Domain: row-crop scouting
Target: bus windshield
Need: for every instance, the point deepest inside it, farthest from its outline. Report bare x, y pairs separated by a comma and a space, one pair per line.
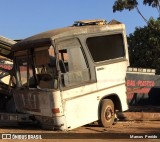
38, 69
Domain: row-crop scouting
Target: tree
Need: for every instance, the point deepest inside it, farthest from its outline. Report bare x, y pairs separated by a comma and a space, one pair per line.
120, 5
144, 46
144, 43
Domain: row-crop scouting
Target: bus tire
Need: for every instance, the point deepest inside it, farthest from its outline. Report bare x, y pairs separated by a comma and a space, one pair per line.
107, 113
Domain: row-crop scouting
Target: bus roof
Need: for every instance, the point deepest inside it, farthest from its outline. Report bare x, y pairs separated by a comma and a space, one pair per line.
88, 26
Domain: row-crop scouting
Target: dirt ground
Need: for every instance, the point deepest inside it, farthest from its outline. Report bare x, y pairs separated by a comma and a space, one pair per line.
120, 131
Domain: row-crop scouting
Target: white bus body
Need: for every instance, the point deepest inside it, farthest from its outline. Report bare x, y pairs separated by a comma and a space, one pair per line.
78, 72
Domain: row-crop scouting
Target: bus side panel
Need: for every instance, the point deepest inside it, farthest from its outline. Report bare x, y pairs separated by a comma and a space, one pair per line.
113, 76
110, 75
33, 101
82, 110
120, 91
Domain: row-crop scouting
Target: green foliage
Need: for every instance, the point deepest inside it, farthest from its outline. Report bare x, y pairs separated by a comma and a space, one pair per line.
153, 3
144, 43
144, 46
120, 5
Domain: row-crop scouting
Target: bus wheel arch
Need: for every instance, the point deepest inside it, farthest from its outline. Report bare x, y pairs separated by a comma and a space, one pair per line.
107, 110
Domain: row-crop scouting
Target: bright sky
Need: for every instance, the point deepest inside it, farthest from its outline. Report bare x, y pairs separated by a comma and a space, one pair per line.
24, 18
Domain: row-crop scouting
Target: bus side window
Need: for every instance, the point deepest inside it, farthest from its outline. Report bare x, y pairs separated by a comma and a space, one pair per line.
63, 60
45, 67
75, 69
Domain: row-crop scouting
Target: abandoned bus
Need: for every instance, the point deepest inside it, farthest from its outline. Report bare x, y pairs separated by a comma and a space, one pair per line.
72, 76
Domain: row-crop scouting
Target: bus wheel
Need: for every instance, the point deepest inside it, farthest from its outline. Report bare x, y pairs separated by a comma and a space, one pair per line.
107, 114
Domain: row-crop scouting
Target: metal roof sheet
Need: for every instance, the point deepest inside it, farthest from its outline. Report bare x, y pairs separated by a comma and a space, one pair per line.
46, 37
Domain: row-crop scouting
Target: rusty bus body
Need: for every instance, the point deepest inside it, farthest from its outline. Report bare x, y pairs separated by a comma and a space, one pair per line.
72, 76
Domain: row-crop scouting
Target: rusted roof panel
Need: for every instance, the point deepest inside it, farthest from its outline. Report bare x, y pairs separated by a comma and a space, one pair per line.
6, 41
45, 37
90, 22
5, 47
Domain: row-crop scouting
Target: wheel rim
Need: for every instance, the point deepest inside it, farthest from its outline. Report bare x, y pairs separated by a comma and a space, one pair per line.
108, 113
